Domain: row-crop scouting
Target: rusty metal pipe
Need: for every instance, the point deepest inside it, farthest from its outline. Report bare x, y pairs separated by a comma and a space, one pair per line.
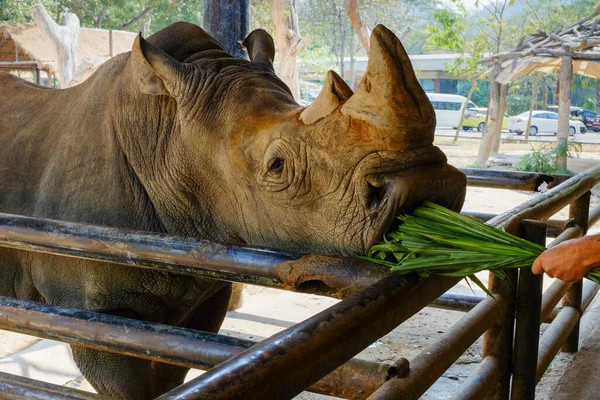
554, 337
481, 381
302, 354
515, 180
432, 362
546, 204
18, 387
173, 345
552, 296
201, 258
590, 289
157, 342
457, 302
594, 216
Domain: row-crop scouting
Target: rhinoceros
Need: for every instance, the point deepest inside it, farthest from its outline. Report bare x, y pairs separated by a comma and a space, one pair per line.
179, 137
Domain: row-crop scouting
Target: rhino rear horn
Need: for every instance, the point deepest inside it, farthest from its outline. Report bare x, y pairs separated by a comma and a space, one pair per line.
261, 48
389, 95
335, 91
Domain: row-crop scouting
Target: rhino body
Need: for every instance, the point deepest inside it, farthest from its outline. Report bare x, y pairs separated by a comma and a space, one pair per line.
179, 137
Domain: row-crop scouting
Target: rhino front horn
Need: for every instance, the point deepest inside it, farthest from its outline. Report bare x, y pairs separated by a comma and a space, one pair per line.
389, 95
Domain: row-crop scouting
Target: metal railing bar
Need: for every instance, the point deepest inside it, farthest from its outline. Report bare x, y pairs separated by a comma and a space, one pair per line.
18, 387
544, 205
481, 381
187, 256
295, 362
552, 296
554, 337
515, 180
590, 289
456, 302
152, 341
164, 343
432, 362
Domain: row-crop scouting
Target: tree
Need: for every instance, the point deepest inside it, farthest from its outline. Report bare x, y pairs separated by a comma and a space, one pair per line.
451, 32
288, 41
109, 14
498, 33
63, 37
331, 28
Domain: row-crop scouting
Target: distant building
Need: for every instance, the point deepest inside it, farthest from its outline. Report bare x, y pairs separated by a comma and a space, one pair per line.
430, 70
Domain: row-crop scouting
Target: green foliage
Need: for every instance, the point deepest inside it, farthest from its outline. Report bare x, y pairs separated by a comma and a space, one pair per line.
109, 14
544, 159
451, 32
481, 95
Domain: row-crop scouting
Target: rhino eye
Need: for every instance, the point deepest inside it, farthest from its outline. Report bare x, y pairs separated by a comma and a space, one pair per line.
276, 165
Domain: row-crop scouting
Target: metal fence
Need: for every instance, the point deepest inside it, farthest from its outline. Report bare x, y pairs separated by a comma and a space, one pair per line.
316, 354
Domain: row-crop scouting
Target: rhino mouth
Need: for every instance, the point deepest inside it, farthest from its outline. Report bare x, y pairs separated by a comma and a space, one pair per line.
405, 191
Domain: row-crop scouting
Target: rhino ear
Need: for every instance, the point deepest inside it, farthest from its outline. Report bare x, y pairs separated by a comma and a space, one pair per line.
156, 72
334, 92
261, 48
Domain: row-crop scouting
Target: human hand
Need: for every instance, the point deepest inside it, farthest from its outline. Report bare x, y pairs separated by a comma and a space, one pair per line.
571, 260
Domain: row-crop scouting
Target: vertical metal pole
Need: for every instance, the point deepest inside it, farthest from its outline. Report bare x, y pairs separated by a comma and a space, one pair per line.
579, 211
228, 22
497, 341
527, 330
36, 75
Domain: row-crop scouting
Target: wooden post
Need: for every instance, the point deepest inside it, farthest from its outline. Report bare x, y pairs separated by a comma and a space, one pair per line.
564, 107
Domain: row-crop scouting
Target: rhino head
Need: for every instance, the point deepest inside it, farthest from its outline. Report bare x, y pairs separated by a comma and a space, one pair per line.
251, 165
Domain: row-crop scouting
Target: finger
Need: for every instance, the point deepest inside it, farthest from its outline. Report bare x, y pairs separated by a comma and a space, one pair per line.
536, 268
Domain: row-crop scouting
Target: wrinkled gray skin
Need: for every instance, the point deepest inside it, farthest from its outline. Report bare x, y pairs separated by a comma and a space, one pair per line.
179, 137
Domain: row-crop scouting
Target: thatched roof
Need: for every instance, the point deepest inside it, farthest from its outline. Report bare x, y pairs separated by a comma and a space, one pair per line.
34, 47
542, 51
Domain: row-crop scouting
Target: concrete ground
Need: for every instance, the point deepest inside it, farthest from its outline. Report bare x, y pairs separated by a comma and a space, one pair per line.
267, 311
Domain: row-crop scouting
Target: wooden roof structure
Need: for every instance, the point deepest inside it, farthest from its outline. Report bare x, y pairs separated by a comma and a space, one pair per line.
24, 47
542, 51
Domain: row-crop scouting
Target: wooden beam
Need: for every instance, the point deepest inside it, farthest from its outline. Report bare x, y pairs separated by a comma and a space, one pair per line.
564, 107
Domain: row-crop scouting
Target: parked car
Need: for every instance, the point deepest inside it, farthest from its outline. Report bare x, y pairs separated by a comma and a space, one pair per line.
447, 108
542, 122
586, 116
595, 125
591, 120
475, 118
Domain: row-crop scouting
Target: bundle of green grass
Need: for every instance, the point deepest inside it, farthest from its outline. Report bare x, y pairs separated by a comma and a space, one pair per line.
436, 241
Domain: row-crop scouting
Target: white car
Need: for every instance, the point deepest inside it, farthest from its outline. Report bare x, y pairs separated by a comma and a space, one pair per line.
542, 122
